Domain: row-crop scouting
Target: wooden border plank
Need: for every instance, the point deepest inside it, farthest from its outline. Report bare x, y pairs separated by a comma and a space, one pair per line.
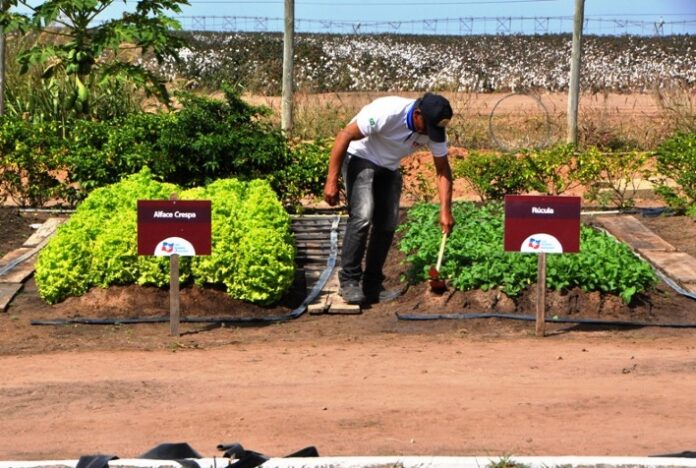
47, 229
7, 292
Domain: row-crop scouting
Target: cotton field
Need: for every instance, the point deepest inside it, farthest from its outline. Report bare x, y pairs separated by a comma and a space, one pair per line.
468, 63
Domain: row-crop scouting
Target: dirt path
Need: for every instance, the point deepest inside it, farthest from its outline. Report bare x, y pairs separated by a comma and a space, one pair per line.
585, 393
364, 384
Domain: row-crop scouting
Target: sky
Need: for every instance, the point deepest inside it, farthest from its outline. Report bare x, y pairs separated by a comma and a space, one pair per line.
309, 14
380, 10
419, 10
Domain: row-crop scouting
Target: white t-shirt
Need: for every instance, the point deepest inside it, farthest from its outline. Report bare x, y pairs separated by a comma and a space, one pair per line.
388, 138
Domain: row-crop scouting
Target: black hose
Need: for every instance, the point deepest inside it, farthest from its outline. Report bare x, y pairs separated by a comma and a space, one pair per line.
316, 289
530, 318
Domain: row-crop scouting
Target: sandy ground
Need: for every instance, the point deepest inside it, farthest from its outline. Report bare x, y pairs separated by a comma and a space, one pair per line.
366, 384
571, 393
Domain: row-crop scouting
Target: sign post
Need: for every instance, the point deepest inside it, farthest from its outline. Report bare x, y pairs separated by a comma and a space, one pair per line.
541, 295
174, 228
541, 225
174, 290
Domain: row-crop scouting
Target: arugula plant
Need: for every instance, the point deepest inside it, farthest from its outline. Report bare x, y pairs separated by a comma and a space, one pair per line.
474, 257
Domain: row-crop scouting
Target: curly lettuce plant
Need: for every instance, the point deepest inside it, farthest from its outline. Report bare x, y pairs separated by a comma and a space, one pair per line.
253, 254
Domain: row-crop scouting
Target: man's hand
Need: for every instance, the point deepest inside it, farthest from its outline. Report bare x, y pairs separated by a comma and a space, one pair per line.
338, 153
331, 191
444, 188
446, 221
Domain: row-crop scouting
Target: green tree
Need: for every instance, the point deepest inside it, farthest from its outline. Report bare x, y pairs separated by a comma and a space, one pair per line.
73, 46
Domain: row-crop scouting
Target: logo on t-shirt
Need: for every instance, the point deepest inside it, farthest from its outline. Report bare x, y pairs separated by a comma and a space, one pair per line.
372, 122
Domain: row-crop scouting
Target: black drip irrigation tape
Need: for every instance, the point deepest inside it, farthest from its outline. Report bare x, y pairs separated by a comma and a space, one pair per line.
530, 318
316, 289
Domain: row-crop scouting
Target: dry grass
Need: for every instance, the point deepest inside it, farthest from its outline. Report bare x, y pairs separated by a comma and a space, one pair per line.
639, 120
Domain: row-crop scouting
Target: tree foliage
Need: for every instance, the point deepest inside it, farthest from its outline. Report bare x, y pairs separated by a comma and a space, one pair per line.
72, 45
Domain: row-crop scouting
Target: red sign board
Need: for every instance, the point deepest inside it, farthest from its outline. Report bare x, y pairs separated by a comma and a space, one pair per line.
168, 227
542, 224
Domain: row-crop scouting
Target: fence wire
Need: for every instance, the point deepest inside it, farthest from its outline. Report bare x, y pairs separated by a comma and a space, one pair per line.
481, 25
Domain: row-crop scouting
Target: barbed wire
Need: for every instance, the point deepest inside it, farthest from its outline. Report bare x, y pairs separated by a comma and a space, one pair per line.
476, 25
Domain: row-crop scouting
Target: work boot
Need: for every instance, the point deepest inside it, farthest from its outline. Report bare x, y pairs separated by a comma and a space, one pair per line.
351, 292
374, 295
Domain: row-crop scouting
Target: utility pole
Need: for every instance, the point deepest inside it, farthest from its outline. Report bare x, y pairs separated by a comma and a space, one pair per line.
2, 62
575, 62
288, 65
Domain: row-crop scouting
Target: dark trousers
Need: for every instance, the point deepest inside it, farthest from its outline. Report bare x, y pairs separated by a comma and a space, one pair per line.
373, 211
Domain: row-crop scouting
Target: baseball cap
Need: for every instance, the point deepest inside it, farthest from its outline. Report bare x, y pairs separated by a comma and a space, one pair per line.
436, 112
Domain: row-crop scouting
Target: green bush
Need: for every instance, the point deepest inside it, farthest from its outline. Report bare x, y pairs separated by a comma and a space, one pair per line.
552, 170
494, 175
612, 179
212, 139
206, 140
30, 161
305, 173
676, 161
474, 256
253, 252
101, 153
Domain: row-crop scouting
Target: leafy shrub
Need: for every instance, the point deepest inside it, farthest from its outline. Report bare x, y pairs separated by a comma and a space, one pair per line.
101, 153
206, 140
612, 178
676, 160
253, 252
493, 175
41, 99
305, 173
552, 170
29, 161
474, 256
211, 139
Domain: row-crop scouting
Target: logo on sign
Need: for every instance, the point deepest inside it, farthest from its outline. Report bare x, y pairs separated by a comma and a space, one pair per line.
174, 245
537, 243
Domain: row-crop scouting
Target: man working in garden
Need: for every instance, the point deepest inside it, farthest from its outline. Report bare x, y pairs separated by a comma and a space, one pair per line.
368, 153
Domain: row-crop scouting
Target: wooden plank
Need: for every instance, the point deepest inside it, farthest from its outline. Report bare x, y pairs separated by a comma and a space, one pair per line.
320, 305
679, 266
19, 273
315, 227
336, 303
31, 246
315, 237
631, 231
7, 292
14, 255
339, 306
311, 258
47, 229
314, 245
